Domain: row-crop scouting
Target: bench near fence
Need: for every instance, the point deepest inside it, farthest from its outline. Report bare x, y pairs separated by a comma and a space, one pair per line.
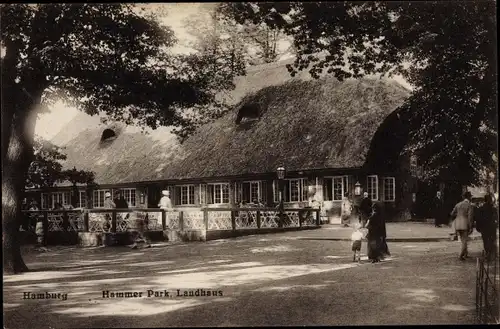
113, 226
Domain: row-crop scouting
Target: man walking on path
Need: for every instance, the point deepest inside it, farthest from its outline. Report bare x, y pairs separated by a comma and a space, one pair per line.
365, 209
439, 211
463, 213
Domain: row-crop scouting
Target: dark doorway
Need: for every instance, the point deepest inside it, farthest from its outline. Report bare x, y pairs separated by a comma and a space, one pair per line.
154, 195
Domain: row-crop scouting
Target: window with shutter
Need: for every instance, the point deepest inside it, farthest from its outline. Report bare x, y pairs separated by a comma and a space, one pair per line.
389, 189
98, 198
82, 200
305, 189
185, 195
129, 194
372, 187
218, 193
275, 191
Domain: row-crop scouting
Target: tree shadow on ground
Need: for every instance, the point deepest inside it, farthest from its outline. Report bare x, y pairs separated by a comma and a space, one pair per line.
278, 285
86, 300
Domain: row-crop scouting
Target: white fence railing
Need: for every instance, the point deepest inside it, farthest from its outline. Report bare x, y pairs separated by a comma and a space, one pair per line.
209, 219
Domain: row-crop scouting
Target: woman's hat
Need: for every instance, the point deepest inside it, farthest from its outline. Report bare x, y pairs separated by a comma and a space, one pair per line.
165, 192
107, 195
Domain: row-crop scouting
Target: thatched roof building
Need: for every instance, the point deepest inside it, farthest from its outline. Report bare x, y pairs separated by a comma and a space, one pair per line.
300, 123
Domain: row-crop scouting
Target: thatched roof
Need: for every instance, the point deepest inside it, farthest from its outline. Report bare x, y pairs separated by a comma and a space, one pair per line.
303, 124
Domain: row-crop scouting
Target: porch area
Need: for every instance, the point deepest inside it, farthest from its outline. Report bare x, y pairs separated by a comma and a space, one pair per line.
94, 227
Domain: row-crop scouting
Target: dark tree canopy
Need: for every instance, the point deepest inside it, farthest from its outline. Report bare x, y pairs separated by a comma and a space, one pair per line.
445, 49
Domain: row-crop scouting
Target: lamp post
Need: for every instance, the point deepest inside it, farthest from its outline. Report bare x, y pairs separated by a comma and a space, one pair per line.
357, 193
280, 172
357, 189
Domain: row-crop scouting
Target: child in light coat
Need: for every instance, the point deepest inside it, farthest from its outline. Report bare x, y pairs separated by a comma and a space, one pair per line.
357, 238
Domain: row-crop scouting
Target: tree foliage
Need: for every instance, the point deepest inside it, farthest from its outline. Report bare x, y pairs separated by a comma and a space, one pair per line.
222, 54
102, 58
445, 49
47, 169
256, 43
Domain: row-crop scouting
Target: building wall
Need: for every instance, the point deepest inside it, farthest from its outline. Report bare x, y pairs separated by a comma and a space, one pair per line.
315, 194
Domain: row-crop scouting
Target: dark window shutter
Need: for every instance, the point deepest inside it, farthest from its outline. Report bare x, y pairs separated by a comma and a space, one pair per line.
210, 194
263, 192
327, 189
246, 192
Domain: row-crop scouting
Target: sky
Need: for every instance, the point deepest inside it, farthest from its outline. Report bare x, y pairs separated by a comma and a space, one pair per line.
175, 14
49, 124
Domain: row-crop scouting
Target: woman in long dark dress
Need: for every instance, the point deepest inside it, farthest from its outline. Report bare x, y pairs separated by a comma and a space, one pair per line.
376, 228
384, 249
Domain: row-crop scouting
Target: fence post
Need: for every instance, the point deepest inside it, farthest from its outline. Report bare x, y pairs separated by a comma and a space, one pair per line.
65, 221
258, 219
233, 220
205, 218
163, 219
485, 294
477, 289
113, 222
181, 220
45, 227
86, 221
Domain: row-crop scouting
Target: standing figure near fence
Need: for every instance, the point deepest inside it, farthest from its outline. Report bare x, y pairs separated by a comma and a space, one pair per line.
487, 225
120, 201
165, 202
439, 212
108, 204
463, 213
139, 231
33, 217
365, 209
346, 210
40, 234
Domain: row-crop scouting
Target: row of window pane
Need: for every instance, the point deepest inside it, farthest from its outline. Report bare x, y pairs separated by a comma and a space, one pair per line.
335, 188
250, 192
295, 190
129, 194
218, 193
372, 187
184, 195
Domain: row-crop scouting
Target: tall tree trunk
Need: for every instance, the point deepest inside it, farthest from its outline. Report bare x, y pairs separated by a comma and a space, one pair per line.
15, 165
